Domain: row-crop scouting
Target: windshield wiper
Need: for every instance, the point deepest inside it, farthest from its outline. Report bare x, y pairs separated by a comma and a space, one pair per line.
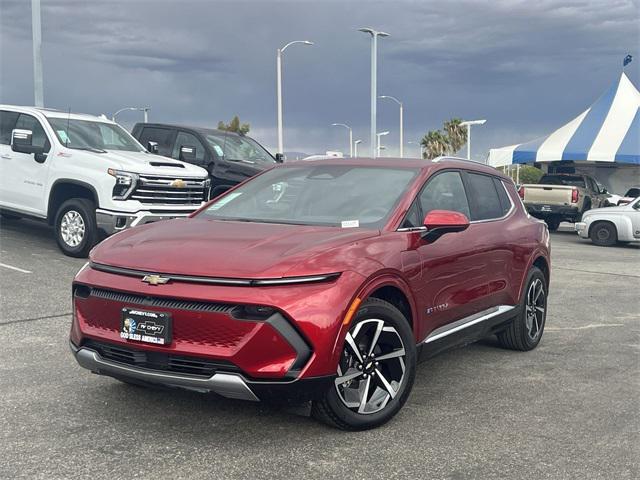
89, 149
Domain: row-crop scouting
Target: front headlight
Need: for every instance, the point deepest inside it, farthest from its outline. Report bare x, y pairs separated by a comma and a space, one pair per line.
125, 183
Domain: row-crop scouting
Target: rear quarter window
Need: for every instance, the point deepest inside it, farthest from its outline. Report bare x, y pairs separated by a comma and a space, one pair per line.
483, 197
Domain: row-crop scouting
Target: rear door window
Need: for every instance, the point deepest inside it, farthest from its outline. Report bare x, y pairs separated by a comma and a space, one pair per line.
483, 197
162, 136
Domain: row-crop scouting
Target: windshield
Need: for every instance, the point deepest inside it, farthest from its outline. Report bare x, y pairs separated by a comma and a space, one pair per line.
334, 195
239, 149
88, 135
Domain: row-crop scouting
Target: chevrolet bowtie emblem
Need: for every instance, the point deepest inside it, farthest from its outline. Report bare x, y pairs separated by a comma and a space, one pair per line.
155, 279
178, 183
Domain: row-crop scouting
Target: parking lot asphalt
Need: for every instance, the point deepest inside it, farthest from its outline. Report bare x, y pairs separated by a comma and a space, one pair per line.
569, 409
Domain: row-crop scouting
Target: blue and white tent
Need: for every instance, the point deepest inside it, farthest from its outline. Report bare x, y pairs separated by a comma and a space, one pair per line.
608, 131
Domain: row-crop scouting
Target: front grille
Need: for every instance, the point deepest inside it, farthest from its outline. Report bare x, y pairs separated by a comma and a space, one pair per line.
160, 302
160, 360
153, 189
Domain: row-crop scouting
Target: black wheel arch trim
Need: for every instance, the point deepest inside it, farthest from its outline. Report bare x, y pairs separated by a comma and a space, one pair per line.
50, 213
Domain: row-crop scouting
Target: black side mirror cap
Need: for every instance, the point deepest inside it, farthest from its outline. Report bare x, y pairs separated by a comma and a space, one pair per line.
152, 147
280, 157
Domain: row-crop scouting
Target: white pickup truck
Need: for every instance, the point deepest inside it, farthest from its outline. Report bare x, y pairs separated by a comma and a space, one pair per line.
87, 176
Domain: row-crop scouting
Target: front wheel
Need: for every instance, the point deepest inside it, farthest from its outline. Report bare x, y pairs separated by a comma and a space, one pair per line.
603, 234
76, 229
375, 373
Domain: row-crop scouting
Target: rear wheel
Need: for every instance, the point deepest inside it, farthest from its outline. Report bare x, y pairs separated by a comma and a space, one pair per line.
525, 331
375, 373
603, 234
76, 229
553, 223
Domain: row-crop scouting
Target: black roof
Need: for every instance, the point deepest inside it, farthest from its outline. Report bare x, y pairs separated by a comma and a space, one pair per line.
186, 127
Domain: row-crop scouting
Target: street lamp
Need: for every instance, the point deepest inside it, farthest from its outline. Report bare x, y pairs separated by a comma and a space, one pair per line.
136, 109
468, 125
378, 146
374, 80
350, 135
355, 148
401, 121
279, 53
419, 147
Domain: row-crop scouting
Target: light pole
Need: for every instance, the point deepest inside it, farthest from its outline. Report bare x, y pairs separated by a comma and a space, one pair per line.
378, 146
374, 81
350, 135
419, 147
401, 121
468, 125
355, 147
145, 110
279, 53
36, 31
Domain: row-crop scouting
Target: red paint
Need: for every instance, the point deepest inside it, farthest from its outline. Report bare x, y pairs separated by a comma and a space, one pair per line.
467, 271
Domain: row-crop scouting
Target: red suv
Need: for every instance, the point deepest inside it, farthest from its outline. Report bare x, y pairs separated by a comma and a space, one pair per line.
323, 281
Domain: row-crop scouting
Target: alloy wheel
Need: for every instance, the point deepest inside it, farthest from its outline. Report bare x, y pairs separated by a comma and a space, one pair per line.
372, 366
72, 228
535, 308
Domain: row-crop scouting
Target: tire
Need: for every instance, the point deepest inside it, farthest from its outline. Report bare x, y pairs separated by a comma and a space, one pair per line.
553, 223
78, 214
603, 234
525, 331
398, 371
10, 216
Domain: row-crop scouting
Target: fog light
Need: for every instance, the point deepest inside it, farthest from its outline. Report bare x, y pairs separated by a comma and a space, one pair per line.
121, 222
253, 312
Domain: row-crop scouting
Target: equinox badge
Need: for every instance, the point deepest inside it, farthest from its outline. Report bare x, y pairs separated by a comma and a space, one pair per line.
155, 279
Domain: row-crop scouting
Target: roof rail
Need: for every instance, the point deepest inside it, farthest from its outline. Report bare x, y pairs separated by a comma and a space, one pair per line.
442, 157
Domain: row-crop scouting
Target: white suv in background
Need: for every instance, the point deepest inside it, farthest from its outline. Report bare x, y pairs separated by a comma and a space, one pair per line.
87, 176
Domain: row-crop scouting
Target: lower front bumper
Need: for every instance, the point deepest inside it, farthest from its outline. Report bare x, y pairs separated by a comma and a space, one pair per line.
112, 222
581, 228
226, 384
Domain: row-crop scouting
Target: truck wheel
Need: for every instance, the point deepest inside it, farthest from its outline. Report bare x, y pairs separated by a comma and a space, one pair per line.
553, 223
525, 331
76, 229
375, 372
603, 234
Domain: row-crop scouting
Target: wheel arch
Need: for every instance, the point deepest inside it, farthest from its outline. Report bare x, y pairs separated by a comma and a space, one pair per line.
65, 189
602, 220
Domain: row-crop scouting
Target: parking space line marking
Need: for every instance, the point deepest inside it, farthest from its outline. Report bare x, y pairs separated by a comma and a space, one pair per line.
22, 320
597, 273
14, 268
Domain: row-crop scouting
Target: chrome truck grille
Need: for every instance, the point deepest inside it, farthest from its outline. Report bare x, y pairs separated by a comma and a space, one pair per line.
156, 190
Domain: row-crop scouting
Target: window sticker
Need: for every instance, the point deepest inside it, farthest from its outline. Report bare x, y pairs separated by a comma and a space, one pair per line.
223, 201
350, 223
63, 136
218, 150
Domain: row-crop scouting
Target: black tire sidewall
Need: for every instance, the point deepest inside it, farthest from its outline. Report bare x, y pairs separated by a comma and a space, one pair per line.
392, 316
86, 209
613, 234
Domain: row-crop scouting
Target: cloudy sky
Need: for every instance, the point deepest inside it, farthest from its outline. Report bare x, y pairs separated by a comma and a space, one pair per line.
525, 66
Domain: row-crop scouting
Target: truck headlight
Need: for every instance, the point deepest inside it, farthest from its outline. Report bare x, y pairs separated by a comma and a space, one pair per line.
125, 183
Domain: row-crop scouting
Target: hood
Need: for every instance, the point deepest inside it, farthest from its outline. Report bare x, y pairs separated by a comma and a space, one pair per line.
617, 209
216, 248
147, 163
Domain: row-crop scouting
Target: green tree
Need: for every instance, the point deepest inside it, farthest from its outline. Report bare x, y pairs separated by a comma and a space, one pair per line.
234, 126
434, 144
529, 174
456, 134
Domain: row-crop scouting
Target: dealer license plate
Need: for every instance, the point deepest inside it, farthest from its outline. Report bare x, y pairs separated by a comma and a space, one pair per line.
145, 326
546, 208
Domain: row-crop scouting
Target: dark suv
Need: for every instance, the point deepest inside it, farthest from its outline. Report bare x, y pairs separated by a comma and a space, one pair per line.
228, 157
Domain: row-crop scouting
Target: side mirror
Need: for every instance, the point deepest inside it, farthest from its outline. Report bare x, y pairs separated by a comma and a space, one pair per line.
439, 222
21, 142
604, 190
187, 153
152, 147
280, 157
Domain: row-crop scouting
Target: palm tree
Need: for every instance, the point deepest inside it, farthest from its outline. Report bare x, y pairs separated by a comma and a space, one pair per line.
456, 134
435, 144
